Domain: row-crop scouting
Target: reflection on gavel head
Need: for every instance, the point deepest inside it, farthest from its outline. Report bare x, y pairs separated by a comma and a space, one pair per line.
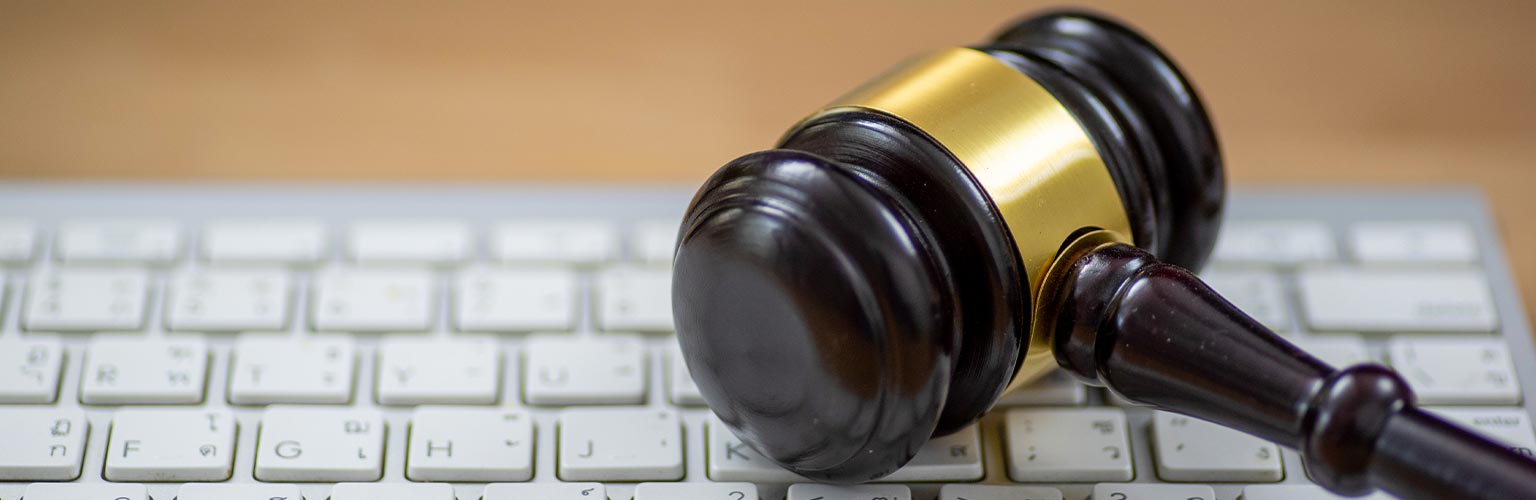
877, 279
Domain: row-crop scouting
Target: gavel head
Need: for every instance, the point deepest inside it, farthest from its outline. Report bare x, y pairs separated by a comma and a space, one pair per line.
873, 281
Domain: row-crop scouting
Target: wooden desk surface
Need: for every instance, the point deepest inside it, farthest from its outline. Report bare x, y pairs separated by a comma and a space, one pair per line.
1365, 92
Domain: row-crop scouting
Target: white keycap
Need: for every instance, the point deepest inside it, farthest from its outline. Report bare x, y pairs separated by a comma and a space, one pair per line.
680, 386
464, 370
225, 300
621, 444
171, 445
992, 492
154, 241
1338, 350
514, 300
304, 444
956, 457
373, 300
1375, 300
265, 241
1509, 426
812, 491
1056, 388
561, 370
545, 491
216, 491
277, 369
654, 241
1300, 492
1275, 242
18, 240
696, 491
1424, 241
42, 444
86, 299
1258, 293
1456, 370
133, 370
392, 491
1068, 445
430, 241
1144, 491
470, 445
1190, 449
550, 240
29, 369
730, 459
635, 299
85, 491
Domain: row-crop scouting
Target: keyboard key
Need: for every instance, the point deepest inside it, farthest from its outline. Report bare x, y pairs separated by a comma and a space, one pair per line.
991, 492
730, 459
464, 370
1275, 242
515, 300
1337, 350
265, 241
29, 369
695, 491
1423, 241
680, 386
1456, 370
470, 445
171, 445
1190, 449
545, 491
278, 369
1258, 293
215, 491
561, 241
621, 444
1300, 492
812, 491
635, 299
654, 241
1146, 491
18, 240
1068, 445
1056, 388
564, 370
304, 444
956, 457
1380, 300
149, 241
42, 444
373, 300
226, 300
132, 370
392, 491
1510, 426
85, 491
74, 300
423, 241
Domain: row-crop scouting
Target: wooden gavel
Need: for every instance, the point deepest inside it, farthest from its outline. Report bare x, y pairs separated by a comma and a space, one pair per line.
978, 216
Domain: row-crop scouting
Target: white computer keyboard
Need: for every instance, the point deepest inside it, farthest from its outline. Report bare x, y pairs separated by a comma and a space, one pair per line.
436, 342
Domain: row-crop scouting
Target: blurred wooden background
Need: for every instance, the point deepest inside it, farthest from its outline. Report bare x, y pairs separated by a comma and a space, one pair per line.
1367, 92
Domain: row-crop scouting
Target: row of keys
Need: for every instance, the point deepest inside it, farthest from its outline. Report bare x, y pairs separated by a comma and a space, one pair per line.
463, 444
562, 369
301, 241
357, 299
1367, 300
671, 491
1293, 242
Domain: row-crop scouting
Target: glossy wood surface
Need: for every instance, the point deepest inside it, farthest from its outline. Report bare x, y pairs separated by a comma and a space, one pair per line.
1371, 92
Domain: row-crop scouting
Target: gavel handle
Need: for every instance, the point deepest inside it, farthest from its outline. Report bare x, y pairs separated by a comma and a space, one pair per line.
1156, 335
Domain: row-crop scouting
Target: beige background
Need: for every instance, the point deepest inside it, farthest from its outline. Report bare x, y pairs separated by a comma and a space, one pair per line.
1368, 92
